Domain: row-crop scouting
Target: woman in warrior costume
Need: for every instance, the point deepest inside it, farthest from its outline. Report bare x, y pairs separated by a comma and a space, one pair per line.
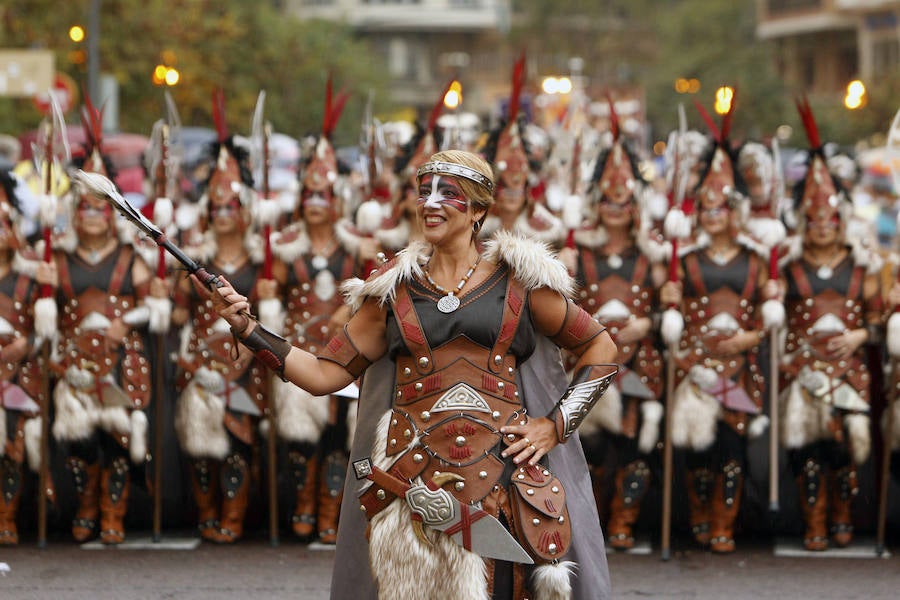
316, 429
451, 332
222, 389
617, 283
102, 287
20, 419
833, 300
718, 401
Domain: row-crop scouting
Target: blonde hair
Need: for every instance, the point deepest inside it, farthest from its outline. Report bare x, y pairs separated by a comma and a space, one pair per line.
476, 193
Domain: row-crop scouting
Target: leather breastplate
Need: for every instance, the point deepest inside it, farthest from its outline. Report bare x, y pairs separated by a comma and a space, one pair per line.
450, 401
313, 298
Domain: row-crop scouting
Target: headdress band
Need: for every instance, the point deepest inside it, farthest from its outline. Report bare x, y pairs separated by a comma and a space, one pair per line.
455, 170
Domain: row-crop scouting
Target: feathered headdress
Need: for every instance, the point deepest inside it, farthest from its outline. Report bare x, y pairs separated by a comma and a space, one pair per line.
423, 144
507, 151
321, 171
818, 195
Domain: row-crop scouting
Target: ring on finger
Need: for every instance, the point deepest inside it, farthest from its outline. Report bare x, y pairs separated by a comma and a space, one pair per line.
533, 449
526, 440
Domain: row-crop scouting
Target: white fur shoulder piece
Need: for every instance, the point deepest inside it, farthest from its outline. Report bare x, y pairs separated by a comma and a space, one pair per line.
407, 264
531, 261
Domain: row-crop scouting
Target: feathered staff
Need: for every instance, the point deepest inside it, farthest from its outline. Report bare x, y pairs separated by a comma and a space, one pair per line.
893, 347
52, 159
677, 226
268, 213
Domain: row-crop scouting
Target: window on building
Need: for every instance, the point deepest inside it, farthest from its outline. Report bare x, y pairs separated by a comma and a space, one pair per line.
784, 6
318, 2
885, 56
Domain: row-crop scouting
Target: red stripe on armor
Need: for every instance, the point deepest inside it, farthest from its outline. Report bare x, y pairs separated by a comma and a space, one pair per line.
460, 452
515, 302
468, 516
508, 330
544, 541
432, 383
580, 325
550, 506
335, 344
403, 305
409, 391
489, 383
413, 333
536, 473
450, 430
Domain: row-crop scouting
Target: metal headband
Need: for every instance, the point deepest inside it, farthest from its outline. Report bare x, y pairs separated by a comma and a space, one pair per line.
456, 170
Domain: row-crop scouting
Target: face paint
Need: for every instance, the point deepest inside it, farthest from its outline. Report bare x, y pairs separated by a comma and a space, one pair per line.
225, 209
316, 199
87, 210
443, 192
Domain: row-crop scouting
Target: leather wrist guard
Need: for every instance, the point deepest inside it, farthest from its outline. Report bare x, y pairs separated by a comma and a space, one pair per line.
270, 348
343, 351
587, 387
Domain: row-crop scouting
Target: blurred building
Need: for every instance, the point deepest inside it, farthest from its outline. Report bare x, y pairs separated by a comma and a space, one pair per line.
824, 44
425, 43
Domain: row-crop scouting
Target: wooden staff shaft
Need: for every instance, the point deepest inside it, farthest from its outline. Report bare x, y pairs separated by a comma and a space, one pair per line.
43, 474
668, 466
272, 449
885, 467
774, 426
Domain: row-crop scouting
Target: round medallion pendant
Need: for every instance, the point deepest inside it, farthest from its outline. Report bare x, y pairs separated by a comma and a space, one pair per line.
319, 262
824, 272
614, 261
448, 304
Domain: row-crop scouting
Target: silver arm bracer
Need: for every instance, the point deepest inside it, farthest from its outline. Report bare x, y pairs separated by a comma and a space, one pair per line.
587, 387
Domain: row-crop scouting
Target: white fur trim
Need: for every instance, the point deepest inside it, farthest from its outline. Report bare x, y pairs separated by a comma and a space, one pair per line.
271, 314
295, 248
442, 570
369, 217
893, 335
606, 414
394, 238
163, 212
76, 413
137, 316
694, 416
571, 211
347, 235
187, 215
531, 262
860, 439
301, 416
266, 211
769, 232
383, 285
33, 443
773, 314
552, 581
677, 225
672, 326
137, 445
758, 426
802, 422
591, 238
45, 315
652, 412
160, 313
115, 419
199, 423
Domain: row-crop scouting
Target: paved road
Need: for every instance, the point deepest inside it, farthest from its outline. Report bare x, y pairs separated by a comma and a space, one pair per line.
252, 569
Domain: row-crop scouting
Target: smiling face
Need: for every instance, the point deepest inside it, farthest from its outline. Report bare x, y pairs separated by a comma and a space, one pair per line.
443, 208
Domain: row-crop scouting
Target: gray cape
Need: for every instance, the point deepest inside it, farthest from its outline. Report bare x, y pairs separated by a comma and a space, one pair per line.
543, 380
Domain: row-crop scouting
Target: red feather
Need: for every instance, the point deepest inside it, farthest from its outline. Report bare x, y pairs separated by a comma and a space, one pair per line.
613, 118
328, 98
438, 107
709, 122
809, 123
218, 102
92, 119
518, 82
727, 118
334, 113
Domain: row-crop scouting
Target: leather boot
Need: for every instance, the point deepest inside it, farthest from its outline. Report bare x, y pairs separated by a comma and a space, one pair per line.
10, 492
236, 495
205, 484
813, 502
114, 486
597, 485
304, 470
844, 488
331, 491
87, 487
726, 503
699, 482
632, 482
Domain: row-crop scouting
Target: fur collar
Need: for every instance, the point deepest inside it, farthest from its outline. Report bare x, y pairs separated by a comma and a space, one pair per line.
531, 262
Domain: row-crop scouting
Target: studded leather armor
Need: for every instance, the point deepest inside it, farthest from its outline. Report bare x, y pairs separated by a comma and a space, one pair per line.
93, 296
720, 301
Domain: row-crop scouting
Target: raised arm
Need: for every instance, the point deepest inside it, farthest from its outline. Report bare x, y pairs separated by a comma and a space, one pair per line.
349, 353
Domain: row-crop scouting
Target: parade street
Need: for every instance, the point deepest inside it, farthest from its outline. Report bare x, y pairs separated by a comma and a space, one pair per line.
254, 569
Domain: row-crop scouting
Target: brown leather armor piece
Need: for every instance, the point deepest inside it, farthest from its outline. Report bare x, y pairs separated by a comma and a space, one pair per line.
343, 351
578, 328
541, 517
308, 317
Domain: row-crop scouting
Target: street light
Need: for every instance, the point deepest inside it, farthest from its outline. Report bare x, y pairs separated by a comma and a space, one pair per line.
724, 96
453, 97
76, 33
856, 95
